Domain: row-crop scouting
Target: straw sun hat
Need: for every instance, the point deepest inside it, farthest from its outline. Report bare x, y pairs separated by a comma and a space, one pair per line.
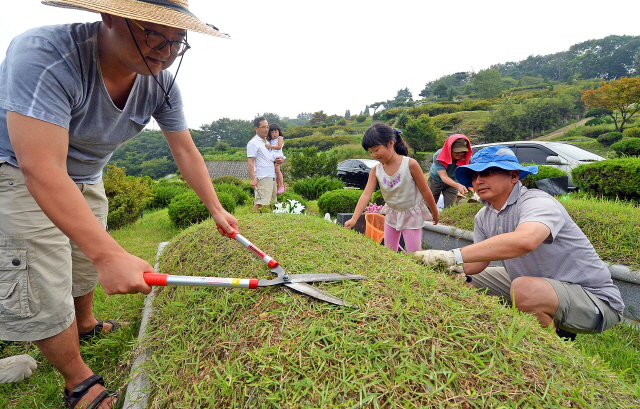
171, 13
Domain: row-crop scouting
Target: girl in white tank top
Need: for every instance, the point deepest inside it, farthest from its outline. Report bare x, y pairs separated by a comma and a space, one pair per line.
408, 199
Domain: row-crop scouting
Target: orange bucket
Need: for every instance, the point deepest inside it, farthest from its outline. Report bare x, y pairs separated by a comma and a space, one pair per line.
374, 228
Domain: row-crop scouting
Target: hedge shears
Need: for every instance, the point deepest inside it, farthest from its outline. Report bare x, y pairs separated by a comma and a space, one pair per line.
296, 282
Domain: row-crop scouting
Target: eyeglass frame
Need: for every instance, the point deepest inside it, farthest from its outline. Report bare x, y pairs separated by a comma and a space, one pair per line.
148, 32
263, 127
486, 173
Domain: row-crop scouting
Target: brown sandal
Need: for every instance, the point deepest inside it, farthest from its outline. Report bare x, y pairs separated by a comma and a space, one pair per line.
71, 399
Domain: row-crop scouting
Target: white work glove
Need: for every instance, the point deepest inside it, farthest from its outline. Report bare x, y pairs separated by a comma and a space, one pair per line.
16, 368
431, 257
458, 273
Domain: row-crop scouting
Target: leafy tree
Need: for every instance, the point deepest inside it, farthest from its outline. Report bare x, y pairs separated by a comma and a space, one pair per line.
420, 134
236, 132
403, 96
310, 163
440, 90
318, 118
402, 120
158, 167
621, 99
305, 115
488, 83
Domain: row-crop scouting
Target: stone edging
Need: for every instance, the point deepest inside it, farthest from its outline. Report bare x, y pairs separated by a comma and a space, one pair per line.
138, 390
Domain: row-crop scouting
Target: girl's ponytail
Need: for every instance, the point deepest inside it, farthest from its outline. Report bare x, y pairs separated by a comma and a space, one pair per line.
401, 147
381, 134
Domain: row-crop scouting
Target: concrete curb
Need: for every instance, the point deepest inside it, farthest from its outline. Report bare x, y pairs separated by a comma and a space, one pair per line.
138, 390
628, 281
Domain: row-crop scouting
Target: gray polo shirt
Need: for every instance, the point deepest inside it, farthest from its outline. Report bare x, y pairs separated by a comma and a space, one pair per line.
566, 255
52, 73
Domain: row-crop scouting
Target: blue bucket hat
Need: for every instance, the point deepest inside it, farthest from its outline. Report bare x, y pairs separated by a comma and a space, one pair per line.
493, 157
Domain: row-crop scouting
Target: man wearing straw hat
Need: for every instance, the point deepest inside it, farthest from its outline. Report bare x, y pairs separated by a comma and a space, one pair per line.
69, 96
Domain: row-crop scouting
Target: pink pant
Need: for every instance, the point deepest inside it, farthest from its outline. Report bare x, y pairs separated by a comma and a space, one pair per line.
412, 238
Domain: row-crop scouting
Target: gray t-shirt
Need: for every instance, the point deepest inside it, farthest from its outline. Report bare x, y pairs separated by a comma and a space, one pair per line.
566, 255
52, 73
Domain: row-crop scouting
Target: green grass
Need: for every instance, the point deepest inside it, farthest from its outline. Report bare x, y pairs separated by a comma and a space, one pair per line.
419, 339
111, 356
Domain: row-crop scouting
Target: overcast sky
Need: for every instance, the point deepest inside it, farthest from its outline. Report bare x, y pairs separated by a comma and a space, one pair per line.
292, 56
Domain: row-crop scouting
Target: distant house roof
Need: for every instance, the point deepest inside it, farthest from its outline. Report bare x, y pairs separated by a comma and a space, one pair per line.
238, 169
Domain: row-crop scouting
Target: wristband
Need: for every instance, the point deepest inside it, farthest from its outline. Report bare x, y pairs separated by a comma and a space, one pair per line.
458, 255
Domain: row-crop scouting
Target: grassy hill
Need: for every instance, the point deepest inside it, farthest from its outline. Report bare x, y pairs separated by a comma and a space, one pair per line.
418, 339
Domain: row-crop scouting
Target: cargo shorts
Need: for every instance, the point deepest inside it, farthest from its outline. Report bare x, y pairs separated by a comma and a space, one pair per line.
578, 311
41, 270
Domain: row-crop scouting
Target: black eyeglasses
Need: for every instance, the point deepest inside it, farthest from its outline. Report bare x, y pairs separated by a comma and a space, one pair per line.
157, 41
484, 173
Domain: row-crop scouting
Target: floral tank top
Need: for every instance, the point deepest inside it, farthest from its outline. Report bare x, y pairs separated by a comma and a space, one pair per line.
404, 205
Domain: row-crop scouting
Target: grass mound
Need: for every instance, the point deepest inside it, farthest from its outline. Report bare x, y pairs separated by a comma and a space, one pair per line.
419, 338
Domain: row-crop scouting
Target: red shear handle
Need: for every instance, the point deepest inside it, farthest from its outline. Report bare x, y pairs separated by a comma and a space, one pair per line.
243, 240
156, 278
231, 235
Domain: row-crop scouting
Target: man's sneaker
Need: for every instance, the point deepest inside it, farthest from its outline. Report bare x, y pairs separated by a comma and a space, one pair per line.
281, 190
566, 335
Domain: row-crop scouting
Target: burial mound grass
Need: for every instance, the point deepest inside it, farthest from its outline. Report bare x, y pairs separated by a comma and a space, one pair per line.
419, 339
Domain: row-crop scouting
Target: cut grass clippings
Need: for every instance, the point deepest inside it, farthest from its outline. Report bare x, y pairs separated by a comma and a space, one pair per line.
419, 339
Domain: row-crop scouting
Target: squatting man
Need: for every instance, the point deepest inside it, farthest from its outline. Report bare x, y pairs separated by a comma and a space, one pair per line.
551, 270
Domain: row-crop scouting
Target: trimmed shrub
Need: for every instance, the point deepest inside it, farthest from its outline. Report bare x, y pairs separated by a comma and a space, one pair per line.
164, 192
228, 179
377, 198
632, 132
186, 208
339, 201
610, 138
299, 132
128, 196
312, 188
595, 131
322, 142
240, 196
613, 178
595, 122
290, 194
544, 172
310, 162
361, 118
627, 147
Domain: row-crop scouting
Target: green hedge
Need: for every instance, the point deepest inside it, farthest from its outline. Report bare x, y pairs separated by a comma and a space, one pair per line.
339, 201
312, 188
544, 172
610, 138
614, 178
240, 195
627, 147
322, 142
164, 192
186, 209
128, 196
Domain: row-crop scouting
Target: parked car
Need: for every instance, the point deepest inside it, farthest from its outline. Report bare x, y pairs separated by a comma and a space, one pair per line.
355, 172
559, 155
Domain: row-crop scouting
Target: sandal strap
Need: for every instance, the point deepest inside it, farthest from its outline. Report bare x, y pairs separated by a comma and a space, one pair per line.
72, 398
93, 331
102, 396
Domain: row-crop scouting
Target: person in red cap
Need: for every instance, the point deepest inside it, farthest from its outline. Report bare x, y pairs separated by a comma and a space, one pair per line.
69, 96
455, 152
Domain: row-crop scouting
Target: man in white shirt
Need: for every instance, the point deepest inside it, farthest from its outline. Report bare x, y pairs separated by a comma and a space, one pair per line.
261, 167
